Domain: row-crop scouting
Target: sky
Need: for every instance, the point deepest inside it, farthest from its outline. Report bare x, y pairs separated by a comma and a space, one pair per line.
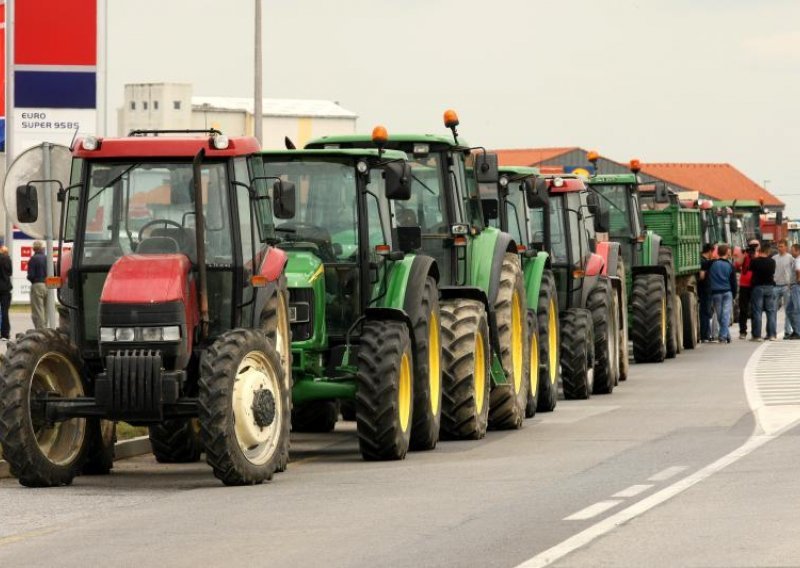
663, 81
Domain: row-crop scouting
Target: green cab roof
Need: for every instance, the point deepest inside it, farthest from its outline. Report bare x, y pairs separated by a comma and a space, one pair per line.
518, 171
361, 138
337, 152
601, 179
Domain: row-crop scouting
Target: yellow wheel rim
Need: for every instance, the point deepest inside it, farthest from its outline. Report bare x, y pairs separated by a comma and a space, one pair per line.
552, 342
664, 321
480, 373
534, 372
516, 341
404, 392
434, 375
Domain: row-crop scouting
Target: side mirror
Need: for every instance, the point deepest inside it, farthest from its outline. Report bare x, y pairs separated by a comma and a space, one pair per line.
27, 204
661, 192
736, 226
486, 168
409, 238
490, 208
397, 176
536, 194
283, 197
593, 203
602, 221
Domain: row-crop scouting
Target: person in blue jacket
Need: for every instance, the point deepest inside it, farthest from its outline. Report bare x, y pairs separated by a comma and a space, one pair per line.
722, 282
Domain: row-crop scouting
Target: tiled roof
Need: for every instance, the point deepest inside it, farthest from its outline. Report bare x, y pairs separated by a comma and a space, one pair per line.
719, 181
529, 156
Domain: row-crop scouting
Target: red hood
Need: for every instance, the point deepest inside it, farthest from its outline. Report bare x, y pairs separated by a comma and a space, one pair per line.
147, 279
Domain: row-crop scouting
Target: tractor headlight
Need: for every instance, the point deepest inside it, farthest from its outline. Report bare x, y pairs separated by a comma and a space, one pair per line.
124, 334
150, 333
172, 333
107, 334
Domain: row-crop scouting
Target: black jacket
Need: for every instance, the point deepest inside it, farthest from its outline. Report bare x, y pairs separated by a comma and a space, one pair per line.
6, 270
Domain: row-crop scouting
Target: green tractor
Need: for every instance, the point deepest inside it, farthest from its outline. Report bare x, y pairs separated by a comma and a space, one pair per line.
363, 307
662, 246
505, 208
486, 341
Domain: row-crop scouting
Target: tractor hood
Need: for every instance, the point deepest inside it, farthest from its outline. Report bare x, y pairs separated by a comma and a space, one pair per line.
147, 279
302, 269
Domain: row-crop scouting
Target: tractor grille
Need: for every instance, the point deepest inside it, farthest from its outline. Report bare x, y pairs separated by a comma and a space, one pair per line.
132, 387
301, 313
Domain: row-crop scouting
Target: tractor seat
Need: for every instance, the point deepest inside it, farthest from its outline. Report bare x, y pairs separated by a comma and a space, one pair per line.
158, 245
183, 237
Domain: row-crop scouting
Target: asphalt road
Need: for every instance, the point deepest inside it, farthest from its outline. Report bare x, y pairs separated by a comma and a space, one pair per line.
672, 469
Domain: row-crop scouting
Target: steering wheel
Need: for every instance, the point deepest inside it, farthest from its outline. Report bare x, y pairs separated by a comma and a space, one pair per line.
156, 222
298, 232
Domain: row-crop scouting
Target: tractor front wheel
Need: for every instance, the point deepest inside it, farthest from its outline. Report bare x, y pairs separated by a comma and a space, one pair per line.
577, 354
102, 435
176, 441
315, 416
41, 364
549, 344
533, 366
624, 353
606, 348
666, 259
649, 308
243, 407
690, 319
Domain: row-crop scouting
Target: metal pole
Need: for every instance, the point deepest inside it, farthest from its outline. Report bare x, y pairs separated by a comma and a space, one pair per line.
258, 120
10, 110
48, 231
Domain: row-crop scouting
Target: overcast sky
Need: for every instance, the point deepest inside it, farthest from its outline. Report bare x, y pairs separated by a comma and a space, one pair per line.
669, 80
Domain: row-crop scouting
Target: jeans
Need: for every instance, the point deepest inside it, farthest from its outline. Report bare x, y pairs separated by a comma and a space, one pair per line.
744, 309
782, 299
763, 300
706, 313
723, 305
793, 307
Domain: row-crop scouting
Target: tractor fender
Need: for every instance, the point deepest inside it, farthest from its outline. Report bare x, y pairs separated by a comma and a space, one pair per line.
532, 273
596, 265
652, 243
421, 267
654, 269
609, 251
464, 292
396, 281
488, 263
273, 263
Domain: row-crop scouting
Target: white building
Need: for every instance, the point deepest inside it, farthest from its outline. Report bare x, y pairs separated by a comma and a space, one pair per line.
172, 106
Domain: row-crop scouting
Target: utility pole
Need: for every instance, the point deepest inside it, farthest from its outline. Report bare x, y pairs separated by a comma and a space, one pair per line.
258, 120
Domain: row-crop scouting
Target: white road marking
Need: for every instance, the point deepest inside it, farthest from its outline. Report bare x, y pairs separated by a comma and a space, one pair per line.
632, 491
667, 473
593, 510
772, 422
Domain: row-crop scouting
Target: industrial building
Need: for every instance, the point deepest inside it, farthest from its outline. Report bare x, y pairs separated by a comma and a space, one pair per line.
173, 106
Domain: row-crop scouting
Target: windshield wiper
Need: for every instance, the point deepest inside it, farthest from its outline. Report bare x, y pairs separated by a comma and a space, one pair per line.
115, 180
419, 181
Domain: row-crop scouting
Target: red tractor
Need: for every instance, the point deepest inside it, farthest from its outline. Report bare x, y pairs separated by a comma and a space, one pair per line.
173, 313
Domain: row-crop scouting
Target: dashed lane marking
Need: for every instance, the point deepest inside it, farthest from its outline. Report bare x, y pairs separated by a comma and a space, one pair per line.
632, 491
665, 474
593, 510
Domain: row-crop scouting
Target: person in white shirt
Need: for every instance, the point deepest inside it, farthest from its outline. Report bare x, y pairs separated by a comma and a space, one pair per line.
784, 264
793, 306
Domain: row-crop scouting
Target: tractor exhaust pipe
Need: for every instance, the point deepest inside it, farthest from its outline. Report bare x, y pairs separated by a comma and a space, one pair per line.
200, 236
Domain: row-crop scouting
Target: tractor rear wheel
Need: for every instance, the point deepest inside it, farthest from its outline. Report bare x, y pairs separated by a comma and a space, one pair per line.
606, 348
385, 390
176, 440
315, 416
466, 372
577, 353
624, 349
690, 319
533, 365
102, 435
274, 321
649, 307
425, 322
243, 407
507, 401
41, 363
666, 260
549, 344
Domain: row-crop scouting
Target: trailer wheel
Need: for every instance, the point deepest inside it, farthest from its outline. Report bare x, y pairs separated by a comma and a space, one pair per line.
604, 326
549, 344
177, 440
425, 323
666, 260
649, 307
385, 390
243, 407
466, 376
533, 365
315, 416
40, 454
690, 319
679, 324
624, 349
577, 354
507, 401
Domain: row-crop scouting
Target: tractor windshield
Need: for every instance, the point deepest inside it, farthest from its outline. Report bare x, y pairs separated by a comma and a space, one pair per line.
615, 198
558, 240
427, 200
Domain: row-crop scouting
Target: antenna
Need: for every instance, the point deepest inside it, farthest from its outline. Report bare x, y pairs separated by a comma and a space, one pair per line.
74, 137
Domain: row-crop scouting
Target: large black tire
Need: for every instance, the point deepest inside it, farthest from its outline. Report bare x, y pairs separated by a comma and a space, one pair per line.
533, 365
422, 306
690, 319
466, 371
666, 260
604, 324
624, 349
649, 315
102, 436
40, 455
549, 344
274, 322
348, 409
679, 323
244, 407
385, 390
508, 400
315, 416
577, 354
176, 441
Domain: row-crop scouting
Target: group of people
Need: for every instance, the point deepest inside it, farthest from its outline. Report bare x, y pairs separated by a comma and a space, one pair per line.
37, 273
760, 280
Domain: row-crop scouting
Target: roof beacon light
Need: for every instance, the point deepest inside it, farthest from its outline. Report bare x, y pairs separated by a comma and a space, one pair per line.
592, 156
379, 135
220, 142
636, 166
90, 143
450, 118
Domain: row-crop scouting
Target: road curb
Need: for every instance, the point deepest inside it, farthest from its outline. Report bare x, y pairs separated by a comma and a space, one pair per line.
122, 450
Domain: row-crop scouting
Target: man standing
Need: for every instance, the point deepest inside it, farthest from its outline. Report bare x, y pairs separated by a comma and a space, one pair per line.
37, 273
6, 270
722, 281
763, 293
704, 290
793, 306
784, 272
745, 286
